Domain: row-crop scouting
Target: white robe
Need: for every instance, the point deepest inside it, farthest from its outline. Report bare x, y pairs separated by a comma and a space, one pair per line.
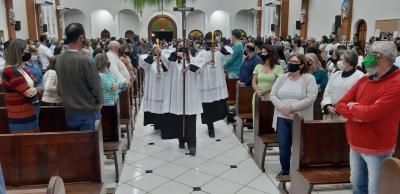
157, 86
212, 83
193, 105
337, 87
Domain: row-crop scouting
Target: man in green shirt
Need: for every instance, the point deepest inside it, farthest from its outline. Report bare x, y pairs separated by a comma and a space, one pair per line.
233, 64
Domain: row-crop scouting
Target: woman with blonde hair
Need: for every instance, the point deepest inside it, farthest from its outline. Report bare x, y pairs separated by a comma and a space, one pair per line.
20, 93
315, 68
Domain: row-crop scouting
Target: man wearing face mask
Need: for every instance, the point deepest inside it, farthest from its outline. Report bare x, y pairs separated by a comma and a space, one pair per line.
233, 64
44, 52
334, 44
250, 62
79, 83
372, 109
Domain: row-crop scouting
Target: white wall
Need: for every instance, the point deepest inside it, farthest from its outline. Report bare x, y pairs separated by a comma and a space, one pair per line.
100, 20
76, 16
245, 20
3, 20
20, 15
127, 20
372, 10
321, 17
294, 15
207, 6
196, 21
220, 20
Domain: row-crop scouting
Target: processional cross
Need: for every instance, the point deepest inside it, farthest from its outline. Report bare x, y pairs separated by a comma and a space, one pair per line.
183, 9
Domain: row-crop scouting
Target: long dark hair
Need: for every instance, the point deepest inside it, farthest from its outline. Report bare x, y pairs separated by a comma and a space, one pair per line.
273, 55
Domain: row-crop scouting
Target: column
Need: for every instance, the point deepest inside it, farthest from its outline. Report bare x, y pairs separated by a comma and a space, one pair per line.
346, 24
284, 18
10, 19
304, 25
259, 17
32, 20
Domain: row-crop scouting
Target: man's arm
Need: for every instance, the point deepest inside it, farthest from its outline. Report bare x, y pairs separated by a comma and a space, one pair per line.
342, 106
93, 82
382, 106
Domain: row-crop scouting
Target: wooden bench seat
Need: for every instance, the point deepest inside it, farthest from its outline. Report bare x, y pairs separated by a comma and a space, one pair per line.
231, 85
320, 154
326, 175
30, 160
244, 97
264, 134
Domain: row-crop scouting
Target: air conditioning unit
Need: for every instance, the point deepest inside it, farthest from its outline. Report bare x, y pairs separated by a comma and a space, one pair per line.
44, 2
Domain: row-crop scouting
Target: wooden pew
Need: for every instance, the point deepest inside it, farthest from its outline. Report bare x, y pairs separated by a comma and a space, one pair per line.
56, 186
231, 85
320, 154
52, 119
3, 121
30, 160
126, 114
390, 176
244, 97
264, 133
318, 114
136, 97
111, 135
2, 100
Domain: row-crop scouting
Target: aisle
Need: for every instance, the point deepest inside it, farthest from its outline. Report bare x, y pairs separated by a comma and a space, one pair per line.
221, 166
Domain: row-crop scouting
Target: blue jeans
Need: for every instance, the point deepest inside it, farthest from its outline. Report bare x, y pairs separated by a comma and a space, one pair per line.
81, 121
365, 171
284, 129
2, 183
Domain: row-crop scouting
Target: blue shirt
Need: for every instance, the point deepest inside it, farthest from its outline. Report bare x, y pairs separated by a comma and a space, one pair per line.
247, 69
35, 70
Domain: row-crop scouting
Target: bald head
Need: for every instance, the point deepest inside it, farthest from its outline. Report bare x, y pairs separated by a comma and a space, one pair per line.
114, 46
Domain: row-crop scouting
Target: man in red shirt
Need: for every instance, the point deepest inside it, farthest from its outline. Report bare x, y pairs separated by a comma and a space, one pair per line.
373, 113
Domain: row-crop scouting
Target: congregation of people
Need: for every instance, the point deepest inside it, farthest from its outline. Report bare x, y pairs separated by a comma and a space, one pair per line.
185, 79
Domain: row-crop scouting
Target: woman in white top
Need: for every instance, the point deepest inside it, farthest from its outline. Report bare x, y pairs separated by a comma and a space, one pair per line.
340, 83
293, 92
50, 96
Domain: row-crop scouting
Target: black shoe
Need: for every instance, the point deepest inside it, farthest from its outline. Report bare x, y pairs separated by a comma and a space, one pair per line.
192, 151
211, 133
283, 176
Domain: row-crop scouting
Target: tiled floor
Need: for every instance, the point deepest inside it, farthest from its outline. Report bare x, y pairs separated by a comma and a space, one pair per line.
221, 166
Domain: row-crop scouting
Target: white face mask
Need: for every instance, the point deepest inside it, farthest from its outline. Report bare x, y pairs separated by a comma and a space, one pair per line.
341, 66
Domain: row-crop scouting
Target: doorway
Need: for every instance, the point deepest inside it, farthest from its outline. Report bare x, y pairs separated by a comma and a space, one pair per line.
362, 33
167, 36
162, 27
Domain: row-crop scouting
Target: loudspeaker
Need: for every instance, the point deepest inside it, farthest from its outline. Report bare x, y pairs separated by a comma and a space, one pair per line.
273, 27
298, 25
44, 27
338, 21
17, 26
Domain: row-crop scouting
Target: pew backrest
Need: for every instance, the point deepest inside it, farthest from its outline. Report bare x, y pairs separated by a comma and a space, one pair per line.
2, 99
263, 117
231, 85
244, 96
124, 102
52, 119
319, 143
32, 159
110, 119
4, 129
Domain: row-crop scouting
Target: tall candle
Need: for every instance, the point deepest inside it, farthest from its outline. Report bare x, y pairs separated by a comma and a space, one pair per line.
158, 43
212, 37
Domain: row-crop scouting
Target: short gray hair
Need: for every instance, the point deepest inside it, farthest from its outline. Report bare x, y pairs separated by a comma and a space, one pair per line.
350, 57
386, 48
